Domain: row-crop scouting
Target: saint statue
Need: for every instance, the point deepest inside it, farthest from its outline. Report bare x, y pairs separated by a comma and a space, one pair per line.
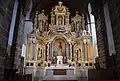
59, 20
79, 53
40, 25
60, 49
78, 25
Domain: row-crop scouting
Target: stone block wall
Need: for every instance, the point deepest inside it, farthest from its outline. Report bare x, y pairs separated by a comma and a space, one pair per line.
6, 7
103, 74
114, 9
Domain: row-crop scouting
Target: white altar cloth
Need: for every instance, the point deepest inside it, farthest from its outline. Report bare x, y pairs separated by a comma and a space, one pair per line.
48, 71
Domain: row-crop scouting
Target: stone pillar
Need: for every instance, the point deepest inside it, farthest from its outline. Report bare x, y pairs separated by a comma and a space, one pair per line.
109, 31
114, 6
102, 38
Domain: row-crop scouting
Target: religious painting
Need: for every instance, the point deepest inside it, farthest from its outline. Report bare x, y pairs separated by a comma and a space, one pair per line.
59, 47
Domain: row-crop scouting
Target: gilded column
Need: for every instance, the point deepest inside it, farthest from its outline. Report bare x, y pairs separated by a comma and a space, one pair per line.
56, 19
46, 51
85, 50
63, 20
67, 18
48, 58
72, 52
86, 47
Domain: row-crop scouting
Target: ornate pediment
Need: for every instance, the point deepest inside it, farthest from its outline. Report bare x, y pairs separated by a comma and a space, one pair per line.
59, 21
60, 9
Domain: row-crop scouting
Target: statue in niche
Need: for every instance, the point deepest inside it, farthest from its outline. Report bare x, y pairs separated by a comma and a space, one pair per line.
79, 53
35, 20
78, 26
72, 26
46, 26
66, 20
83, 22
60, 20
60, 49
52, 17
40, 25
54, 59
33, 49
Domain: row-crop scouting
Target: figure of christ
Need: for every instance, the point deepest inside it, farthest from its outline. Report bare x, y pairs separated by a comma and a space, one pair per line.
60, 49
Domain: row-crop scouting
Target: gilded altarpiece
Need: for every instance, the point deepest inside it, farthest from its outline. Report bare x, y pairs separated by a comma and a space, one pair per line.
48, 41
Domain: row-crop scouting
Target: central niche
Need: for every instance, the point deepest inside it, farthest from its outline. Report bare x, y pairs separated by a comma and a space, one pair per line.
60, 47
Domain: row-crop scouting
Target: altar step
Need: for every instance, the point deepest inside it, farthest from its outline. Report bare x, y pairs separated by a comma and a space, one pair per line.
59, 78
63, 78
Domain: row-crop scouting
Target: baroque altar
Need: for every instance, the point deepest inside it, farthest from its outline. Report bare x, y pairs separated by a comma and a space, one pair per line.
59, 40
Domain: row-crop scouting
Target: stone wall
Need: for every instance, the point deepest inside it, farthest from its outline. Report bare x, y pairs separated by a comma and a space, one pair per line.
114, 8
103, 74
102, 40
6, 7
37, 73
16, 49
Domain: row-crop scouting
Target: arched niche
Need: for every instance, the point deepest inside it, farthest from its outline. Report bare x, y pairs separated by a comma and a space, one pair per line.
59, 47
